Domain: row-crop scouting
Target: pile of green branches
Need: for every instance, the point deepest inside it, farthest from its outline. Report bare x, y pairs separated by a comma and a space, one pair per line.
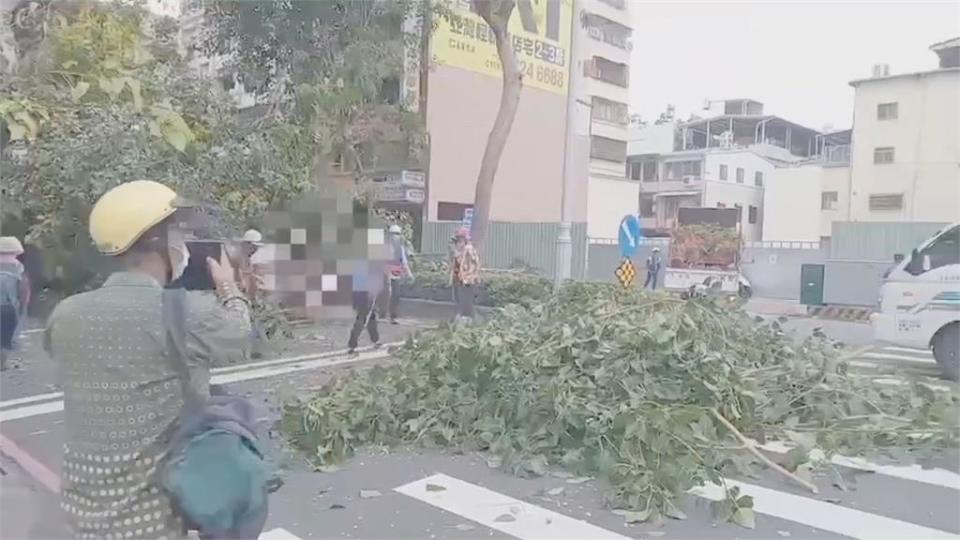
654, 394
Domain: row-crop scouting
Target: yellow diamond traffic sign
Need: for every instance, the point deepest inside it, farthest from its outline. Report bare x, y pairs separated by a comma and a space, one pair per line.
626, 272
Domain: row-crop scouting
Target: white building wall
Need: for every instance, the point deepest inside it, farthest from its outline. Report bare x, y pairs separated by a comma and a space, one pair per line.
926, 143
610, 194
652, 139
608, 201
791, 203
730, 193
836, 180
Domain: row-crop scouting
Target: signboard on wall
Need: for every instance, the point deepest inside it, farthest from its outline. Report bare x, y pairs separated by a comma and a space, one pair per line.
541, 38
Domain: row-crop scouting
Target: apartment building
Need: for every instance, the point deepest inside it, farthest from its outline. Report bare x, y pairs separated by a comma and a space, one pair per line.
722, 160
605, 48
899, 163
905, 163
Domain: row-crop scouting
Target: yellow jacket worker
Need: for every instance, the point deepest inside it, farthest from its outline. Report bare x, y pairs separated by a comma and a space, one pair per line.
121, 391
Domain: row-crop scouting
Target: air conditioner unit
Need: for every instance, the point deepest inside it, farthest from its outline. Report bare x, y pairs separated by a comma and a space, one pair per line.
689, 179
595, 32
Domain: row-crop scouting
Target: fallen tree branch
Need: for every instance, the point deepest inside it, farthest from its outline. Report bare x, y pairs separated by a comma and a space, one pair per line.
752, 448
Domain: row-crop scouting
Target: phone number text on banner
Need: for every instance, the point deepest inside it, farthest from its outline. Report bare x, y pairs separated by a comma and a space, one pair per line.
540, 30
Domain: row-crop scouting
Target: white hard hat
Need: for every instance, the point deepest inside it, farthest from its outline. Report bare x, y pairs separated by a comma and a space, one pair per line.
253, 236
395, 229
10, 244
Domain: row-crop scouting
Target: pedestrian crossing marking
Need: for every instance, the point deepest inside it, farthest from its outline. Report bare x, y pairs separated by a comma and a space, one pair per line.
278, 534
914, 473
824, 515
487, 507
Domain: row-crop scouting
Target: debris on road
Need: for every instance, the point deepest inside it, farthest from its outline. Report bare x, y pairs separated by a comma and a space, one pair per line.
652, 393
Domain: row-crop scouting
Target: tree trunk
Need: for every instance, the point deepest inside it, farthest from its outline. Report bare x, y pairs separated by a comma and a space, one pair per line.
496, 13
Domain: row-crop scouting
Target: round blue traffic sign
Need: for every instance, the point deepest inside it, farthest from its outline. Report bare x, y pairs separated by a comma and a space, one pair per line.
629, 235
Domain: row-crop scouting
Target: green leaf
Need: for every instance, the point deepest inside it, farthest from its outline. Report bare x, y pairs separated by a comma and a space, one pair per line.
177, 139
80, 90
112, 86
636, 517
134, 86
31, 125
17, 132
744, 517
804, 440
671, 511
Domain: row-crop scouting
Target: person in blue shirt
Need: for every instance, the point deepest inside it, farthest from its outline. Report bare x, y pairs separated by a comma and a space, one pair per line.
368, 278
654, 263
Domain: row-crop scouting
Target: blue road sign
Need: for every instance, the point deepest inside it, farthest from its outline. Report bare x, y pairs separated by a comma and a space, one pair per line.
468, 217
629, 235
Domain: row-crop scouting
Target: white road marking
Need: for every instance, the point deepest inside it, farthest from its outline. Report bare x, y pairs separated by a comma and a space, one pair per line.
31, 410
922, 352
915, 473
505, 514
32, 331
39, 432
278, 534
825, 516
216, 371
224, 378
30, 399
903, 358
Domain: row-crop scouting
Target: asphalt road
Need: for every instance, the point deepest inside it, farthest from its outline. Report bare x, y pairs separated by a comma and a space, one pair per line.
407, 493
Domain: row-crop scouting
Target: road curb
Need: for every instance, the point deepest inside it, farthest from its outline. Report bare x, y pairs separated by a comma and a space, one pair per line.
841, 313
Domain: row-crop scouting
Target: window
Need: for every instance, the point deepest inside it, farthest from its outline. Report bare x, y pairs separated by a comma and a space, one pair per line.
647, 208
676, 170
607, 71
887, 111
752, 217
828, 200
634, 170
723, 172
609, 111
608, 149
944, 251
448, 211
758, 179
886, 202
650, 171
883, 155
739, 208
603, 29
740, 175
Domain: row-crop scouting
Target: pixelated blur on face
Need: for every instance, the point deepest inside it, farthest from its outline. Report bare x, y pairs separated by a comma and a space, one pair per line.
318, 244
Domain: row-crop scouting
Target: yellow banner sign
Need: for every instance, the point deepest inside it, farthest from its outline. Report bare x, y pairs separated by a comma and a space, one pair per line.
541, 40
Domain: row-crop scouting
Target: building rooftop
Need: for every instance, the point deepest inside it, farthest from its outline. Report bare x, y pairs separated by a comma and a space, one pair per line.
916, 74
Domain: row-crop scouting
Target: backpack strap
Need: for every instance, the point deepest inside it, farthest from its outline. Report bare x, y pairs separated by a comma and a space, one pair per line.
174, 324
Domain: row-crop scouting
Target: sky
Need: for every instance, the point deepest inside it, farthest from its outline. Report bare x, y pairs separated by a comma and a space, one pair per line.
796, 57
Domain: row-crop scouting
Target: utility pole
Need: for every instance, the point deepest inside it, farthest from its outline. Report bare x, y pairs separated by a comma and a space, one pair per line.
571, 148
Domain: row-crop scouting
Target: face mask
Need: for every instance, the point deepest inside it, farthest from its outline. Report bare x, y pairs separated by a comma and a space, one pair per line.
179, 262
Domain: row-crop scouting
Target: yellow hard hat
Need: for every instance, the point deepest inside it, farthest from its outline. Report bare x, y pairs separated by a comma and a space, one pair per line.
124, 213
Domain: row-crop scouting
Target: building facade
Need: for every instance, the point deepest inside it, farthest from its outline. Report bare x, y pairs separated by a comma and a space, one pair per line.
605, 48
723, 160
906, 143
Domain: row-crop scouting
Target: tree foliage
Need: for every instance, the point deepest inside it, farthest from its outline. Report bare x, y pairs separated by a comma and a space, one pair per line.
642, 390
337, 66
106, 98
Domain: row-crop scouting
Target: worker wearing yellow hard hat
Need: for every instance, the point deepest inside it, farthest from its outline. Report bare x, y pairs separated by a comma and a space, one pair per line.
126, 375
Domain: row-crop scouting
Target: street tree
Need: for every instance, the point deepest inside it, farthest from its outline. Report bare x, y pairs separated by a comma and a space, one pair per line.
101, 96
496, 13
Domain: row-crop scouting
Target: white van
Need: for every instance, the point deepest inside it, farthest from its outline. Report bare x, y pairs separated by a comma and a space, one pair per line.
920, 301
